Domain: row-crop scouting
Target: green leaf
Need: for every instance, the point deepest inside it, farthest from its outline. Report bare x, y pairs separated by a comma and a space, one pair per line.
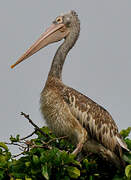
1, 174
35, 159
91, 178
3, 146
11, 178
12, 139
17, 137
127, 158
2, 158
8, 155
27, 164
117, 178
45, 172
77, 163
18, 175
35, 171
73, 172
66, 178
86, 163
128, 142
125, 132
128, 171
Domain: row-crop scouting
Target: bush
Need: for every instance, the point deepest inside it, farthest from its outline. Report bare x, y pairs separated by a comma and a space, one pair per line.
47, 157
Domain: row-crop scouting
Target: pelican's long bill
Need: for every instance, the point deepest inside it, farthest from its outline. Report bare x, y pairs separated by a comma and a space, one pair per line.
54, 33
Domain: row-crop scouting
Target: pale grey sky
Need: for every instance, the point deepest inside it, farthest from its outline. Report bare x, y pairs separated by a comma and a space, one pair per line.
99, 66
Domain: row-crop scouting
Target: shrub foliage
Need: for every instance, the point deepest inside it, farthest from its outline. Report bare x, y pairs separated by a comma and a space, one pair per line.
47, 157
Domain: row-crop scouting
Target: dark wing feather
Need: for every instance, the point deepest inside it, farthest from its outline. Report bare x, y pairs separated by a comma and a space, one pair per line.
95, 119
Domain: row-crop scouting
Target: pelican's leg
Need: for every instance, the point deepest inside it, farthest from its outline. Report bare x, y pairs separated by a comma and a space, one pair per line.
82, 140
78, 148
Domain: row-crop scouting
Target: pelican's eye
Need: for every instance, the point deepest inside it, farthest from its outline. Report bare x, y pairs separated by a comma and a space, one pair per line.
59, 20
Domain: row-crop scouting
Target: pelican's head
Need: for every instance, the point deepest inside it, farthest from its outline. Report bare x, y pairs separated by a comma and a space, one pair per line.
60, 29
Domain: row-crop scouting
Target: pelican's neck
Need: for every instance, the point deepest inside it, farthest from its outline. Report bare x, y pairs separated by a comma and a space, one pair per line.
59, 58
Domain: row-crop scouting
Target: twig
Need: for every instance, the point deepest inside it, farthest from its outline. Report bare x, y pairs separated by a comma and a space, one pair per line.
28, 135
40, 146
12, 143
54, 139
14, 156
30, 121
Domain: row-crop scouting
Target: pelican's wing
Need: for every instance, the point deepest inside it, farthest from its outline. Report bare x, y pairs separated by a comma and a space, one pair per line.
95, 119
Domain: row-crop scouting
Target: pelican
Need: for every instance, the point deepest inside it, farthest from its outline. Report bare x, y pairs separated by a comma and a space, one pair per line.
68, 112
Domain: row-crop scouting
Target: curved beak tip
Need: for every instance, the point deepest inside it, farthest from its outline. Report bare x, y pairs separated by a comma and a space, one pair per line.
12, 66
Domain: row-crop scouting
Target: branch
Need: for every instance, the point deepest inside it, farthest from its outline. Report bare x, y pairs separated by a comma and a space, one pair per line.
28, 135
16, 144
30, 121
41, 146
54, 139
14, 156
